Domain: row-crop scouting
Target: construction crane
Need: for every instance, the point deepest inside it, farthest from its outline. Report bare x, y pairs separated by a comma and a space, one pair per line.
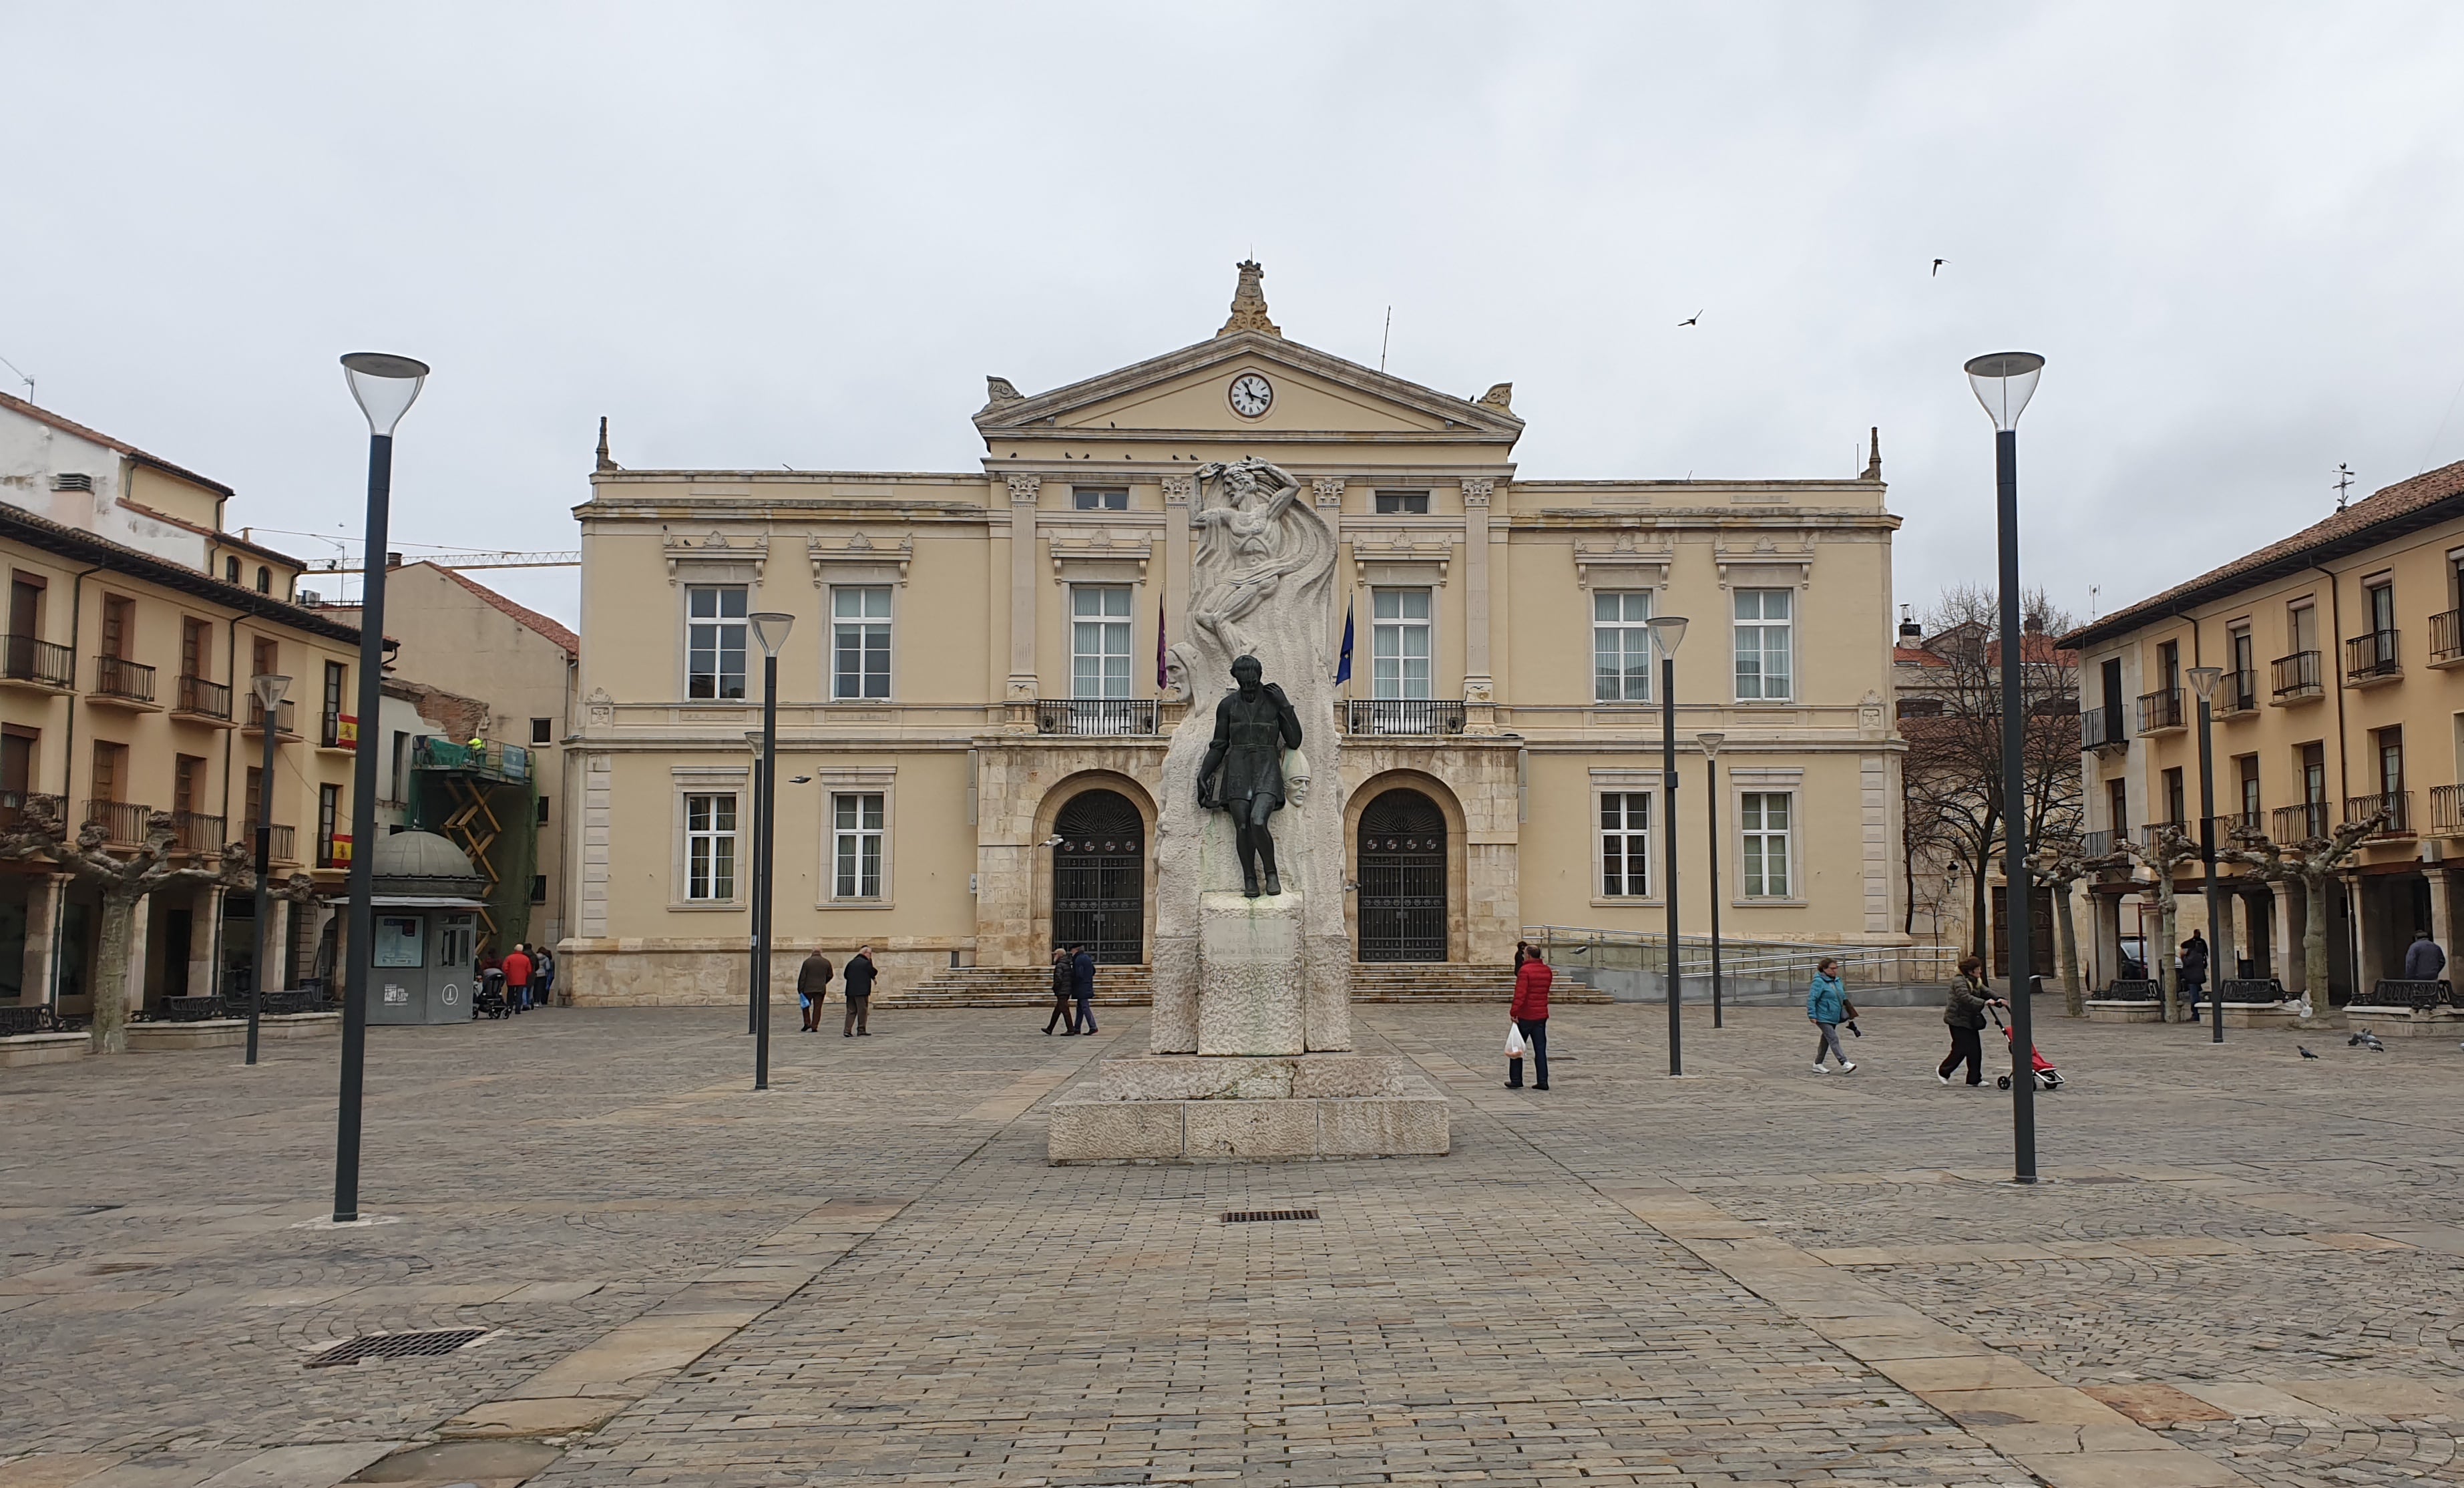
570, 558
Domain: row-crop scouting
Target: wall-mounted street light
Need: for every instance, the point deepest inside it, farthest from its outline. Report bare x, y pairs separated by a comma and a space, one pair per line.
2202, 681
269, 691
1710, 743
1667, 634
385, 385
770, 632
2004, 381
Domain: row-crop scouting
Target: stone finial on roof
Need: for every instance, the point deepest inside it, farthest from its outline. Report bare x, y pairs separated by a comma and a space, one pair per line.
998, 390
1250, 302
604, 464
1873, 462
1499, 396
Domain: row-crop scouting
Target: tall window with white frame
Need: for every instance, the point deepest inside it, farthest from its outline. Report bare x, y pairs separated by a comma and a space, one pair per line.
1099, 640
860, 643
1399, 643
855, 844
709, 847
1763, 626
1625, 844
714, 641
1621, 646
1763, 826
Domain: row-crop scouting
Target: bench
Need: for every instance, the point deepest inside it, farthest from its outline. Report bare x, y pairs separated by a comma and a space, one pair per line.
191, 1009
2409, 996
18, 1022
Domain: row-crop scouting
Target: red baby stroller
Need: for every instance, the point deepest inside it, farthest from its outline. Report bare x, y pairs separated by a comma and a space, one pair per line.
2046, 1077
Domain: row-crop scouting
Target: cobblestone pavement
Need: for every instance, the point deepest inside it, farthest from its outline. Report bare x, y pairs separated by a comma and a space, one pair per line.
2245, 1268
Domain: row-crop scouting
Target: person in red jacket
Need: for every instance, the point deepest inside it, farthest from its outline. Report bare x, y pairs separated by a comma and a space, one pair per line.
1530, 1015
517, 978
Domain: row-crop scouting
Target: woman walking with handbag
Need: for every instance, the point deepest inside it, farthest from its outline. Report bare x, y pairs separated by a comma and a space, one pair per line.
1826, 1003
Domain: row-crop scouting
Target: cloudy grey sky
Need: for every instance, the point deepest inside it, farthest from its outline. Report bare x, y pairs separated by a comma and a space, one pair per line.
799, 234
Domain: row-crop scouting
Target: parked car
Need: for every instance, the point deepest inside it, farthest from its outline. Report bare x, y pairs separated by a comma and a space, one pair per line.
2134, 957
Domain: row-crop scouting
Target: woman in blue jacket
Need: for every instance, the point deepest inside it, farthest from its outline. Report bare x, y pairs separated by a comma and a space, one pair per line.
1826, 1003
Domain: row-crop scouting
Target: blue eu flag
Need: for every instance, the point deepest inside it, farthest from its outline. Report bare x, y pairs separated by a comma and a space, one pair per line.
1343, 667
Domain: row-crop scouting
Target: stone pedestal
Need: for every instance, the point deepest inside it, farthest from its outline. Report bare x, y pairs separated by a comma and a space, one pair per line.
1249, 998
2131, 1010
1200, 1108
2405, 1022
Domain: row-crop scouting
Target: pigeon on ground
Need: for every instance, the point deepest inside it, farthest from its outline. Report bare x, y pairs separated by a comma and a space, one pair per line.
2365, 1039
2305, 1052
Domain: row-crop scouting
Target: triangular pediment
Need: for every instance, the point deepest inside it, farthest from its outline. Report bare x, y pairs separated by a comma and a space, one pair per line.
1184, 392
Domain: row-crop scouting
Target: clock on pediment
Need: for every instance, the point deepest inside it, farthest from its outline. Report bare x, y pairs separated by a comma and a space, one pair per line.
1251, 395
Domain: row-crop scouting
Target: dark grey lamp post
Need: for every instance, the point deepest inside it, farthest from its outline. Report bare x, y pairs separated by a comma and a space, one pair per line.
2202, 681
2004, 381
1710, 743
770, 629
1667, 632
269, 691
386, 387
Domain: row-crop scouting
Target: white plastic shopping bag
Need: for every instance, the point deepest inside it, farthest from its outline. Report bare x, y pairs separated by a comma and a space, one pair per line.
1514, 1045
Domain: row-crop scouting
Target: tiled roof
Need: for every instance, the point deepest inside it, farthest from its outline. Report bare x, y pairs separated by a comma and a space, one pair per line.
44, 415
60, 538
564, 639
2406, 506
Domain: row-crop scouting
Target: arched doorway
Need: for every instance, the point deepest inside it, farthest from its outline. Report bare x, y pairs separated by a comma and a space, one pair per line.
1402, 879
1099, 878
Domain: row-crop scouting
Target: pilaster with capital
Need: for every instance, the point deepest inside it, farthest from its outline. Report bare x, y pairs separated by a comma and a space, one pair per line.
1020, 694
1479, 688
1178, 492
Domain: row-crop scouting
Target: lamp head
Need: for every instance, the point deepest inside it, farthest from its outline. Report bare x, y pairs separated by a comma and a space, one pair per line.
384, 385
2004, 382
770, 629
1710, 743
2204, 679
269, 690
1668, 631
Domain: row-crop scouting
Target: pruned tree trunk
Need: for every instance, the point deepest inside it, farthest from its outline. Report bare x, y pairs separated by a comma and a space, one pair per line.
2314, 953
2066, 937
109, 1033
2168, 977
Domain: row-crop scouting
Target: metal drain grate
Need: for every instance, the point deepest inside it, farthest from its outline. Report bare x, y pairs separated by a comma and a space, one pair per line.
396, 1346
1259, 1216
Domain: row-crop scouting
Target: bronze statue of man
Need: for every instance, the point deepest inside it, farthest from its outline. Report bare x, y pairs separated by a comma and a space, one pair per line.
1244, 771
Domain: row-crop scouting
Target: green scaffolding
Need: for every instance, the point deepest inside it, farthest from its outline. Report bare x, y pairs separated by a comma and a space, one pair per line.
483, 797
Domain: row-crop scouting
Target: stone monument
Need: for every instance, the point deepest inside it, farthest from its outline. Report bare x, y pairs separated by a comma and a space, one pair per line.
1251, 1056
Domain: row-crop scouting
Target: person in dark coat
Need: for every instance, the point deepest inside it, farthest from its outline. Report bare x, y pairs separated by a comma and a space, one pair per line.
1065, 984
860, 974
813, 987
1964, 1012
1082, 986
1530, 1015
2423, 959
2194, 970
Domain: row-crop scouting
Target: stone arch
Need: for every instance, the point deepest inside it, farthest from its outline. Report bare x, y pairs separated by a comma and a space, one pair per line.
1456, 861
1047, 820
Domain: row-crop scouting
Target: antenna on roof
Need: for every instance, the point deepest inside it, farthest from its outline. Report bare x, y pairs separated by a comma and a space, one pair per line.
2091, 599
21, 377
2344, 483
1382, 340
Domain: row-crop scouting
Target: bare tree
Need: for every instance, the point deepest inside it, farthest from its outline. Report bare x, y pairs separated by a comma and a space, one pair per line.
125, 883
2312, 863
2164, 855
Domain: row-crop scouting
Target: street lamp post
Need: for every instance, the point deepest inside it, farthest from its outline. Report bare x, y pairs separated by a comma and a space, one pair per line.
269, 691
1667, 632
753, 941
2003, 382
770, 629
1710, 743
2202, 681
384, 386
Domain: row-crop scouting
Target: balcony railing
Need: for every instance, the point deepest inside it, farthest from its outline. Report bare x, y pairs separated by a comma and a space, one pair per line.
26, 659
2248, 823
123, 822
2298, 823
2161, 710
2094, 845
116, 676
2371, 659
486, 759
2236, 694
1095, 716
2102, 729
203, 698
2395, 805
337, 730
2447, 811
1407, 716
2295, 677
283, 716
283, 845
2447, 638
194, 831
20, 808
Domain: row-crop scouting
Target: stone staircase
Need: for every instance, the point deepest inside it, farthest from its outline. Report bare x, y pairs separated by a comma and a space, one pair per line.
1134, 987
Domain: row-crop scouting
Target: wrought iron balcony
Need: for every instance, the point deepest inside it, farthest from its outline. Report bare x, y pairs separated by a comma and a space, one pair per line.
282, 845
2094, 845
116, 676
2395, 805
1405, 717
201, 699
2298, 823
2253, 824
26, 659
2296, 677
123, 822
2371, 659
2236, 694
284, 726
2101, 728
2160, 711
1095, 716
22, 807
2447, 811
2447, 638
194, 831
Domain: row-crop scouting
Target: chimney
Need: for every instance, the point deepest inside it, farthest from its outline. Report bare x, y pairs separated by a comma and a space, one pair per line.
393, 560
1909, 629
2034, 625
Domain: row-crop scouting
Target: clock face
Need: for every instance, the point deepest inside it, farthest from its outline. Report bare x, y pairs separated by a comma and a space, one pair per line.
1252, 395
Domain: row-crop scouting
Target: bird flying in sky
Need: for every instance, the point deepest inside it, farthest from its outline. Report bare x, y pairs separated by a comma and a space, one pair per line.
1689, 320
1937, 266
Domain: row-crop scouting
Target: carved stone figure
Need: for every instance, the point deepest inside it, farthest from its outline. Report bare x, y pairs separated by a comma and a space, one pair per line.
1254, 537
1244, 769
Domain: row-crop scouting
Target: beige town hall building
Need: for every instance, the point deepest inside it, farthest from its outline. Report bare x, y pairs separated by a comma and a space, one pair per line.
972, 731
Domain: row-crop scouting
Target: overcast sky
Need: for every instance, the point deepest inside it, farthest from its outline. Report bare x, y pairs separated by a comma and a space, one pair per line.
755, 235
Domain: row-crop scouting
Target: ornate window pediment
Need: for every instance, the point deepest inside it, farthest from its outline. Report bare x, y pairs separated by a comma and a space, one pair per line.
858, 559
714, 558
1625, 563
1401, 560
1098, 557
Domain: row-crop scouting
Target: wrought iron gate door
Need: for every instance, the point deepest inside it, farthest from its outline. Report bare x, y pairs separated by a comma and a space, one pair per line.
1099, 880
1402, 879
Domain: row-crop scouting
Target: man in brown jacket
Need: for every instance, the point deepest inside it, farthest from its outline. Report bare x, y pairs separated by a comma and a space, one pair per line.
812, 985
